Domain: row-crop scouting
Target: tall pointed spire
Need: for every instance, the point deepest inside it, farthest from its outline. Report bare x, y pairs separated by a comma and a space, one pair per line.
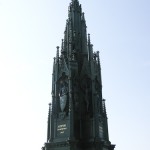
78, 118
75, 35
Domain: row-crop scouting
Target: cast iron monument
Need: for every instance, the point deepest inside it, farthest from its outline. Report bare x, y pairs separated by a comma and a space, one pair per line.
77, 117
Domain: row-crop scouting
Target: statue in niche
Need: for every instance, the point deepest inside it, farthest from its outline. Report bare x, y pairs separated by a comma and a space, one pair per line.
63, 95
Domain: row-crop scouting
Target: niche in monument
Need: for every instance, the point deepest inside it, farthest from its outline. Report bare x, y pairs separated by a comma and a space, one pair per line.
61, 124
63, 95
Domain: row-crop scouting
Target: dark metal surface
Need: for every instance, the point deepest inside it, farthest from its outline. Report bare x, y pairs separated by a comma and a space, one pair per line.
77, 119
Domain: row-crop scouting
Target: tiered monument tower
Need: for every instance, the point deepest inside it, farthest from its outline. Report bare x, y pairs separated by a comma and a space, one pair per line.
77, 117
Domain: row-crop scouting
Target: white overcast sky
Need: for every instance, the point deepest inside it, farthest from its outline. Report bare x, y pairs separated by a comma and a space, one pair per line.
30, 30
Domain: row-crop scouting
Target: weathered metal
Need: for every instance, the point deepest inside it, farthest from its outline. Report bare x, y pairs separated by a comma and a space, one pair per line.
77, 119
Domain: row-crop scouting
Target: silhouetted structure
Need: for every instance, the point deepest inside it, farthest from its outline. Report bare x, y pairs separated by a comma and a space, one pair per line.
77, 117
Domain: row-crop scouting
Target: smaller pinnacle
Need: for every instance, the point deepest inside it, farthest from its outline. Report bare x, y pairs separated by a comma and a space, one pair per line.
89, 41
57, 53
62, 45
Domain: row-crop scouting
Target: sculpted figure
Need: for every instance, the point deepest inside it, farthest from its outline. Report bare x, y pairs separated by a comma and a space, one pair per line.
63, 95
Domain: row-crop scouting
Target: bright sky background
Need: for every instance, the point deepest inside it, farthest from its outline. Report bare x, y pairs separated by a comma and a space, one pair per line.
30, 30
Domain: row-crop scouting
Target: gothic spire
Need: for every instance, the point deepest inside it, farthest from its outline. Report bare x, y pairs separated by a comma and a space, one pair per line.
75, 35
77, 117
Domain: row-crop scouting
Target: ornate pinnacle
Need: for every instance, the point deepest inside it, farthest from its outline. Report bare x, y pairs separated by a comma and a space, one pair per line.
57, 53
48, 123
62, 45
104, 107
89, 40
